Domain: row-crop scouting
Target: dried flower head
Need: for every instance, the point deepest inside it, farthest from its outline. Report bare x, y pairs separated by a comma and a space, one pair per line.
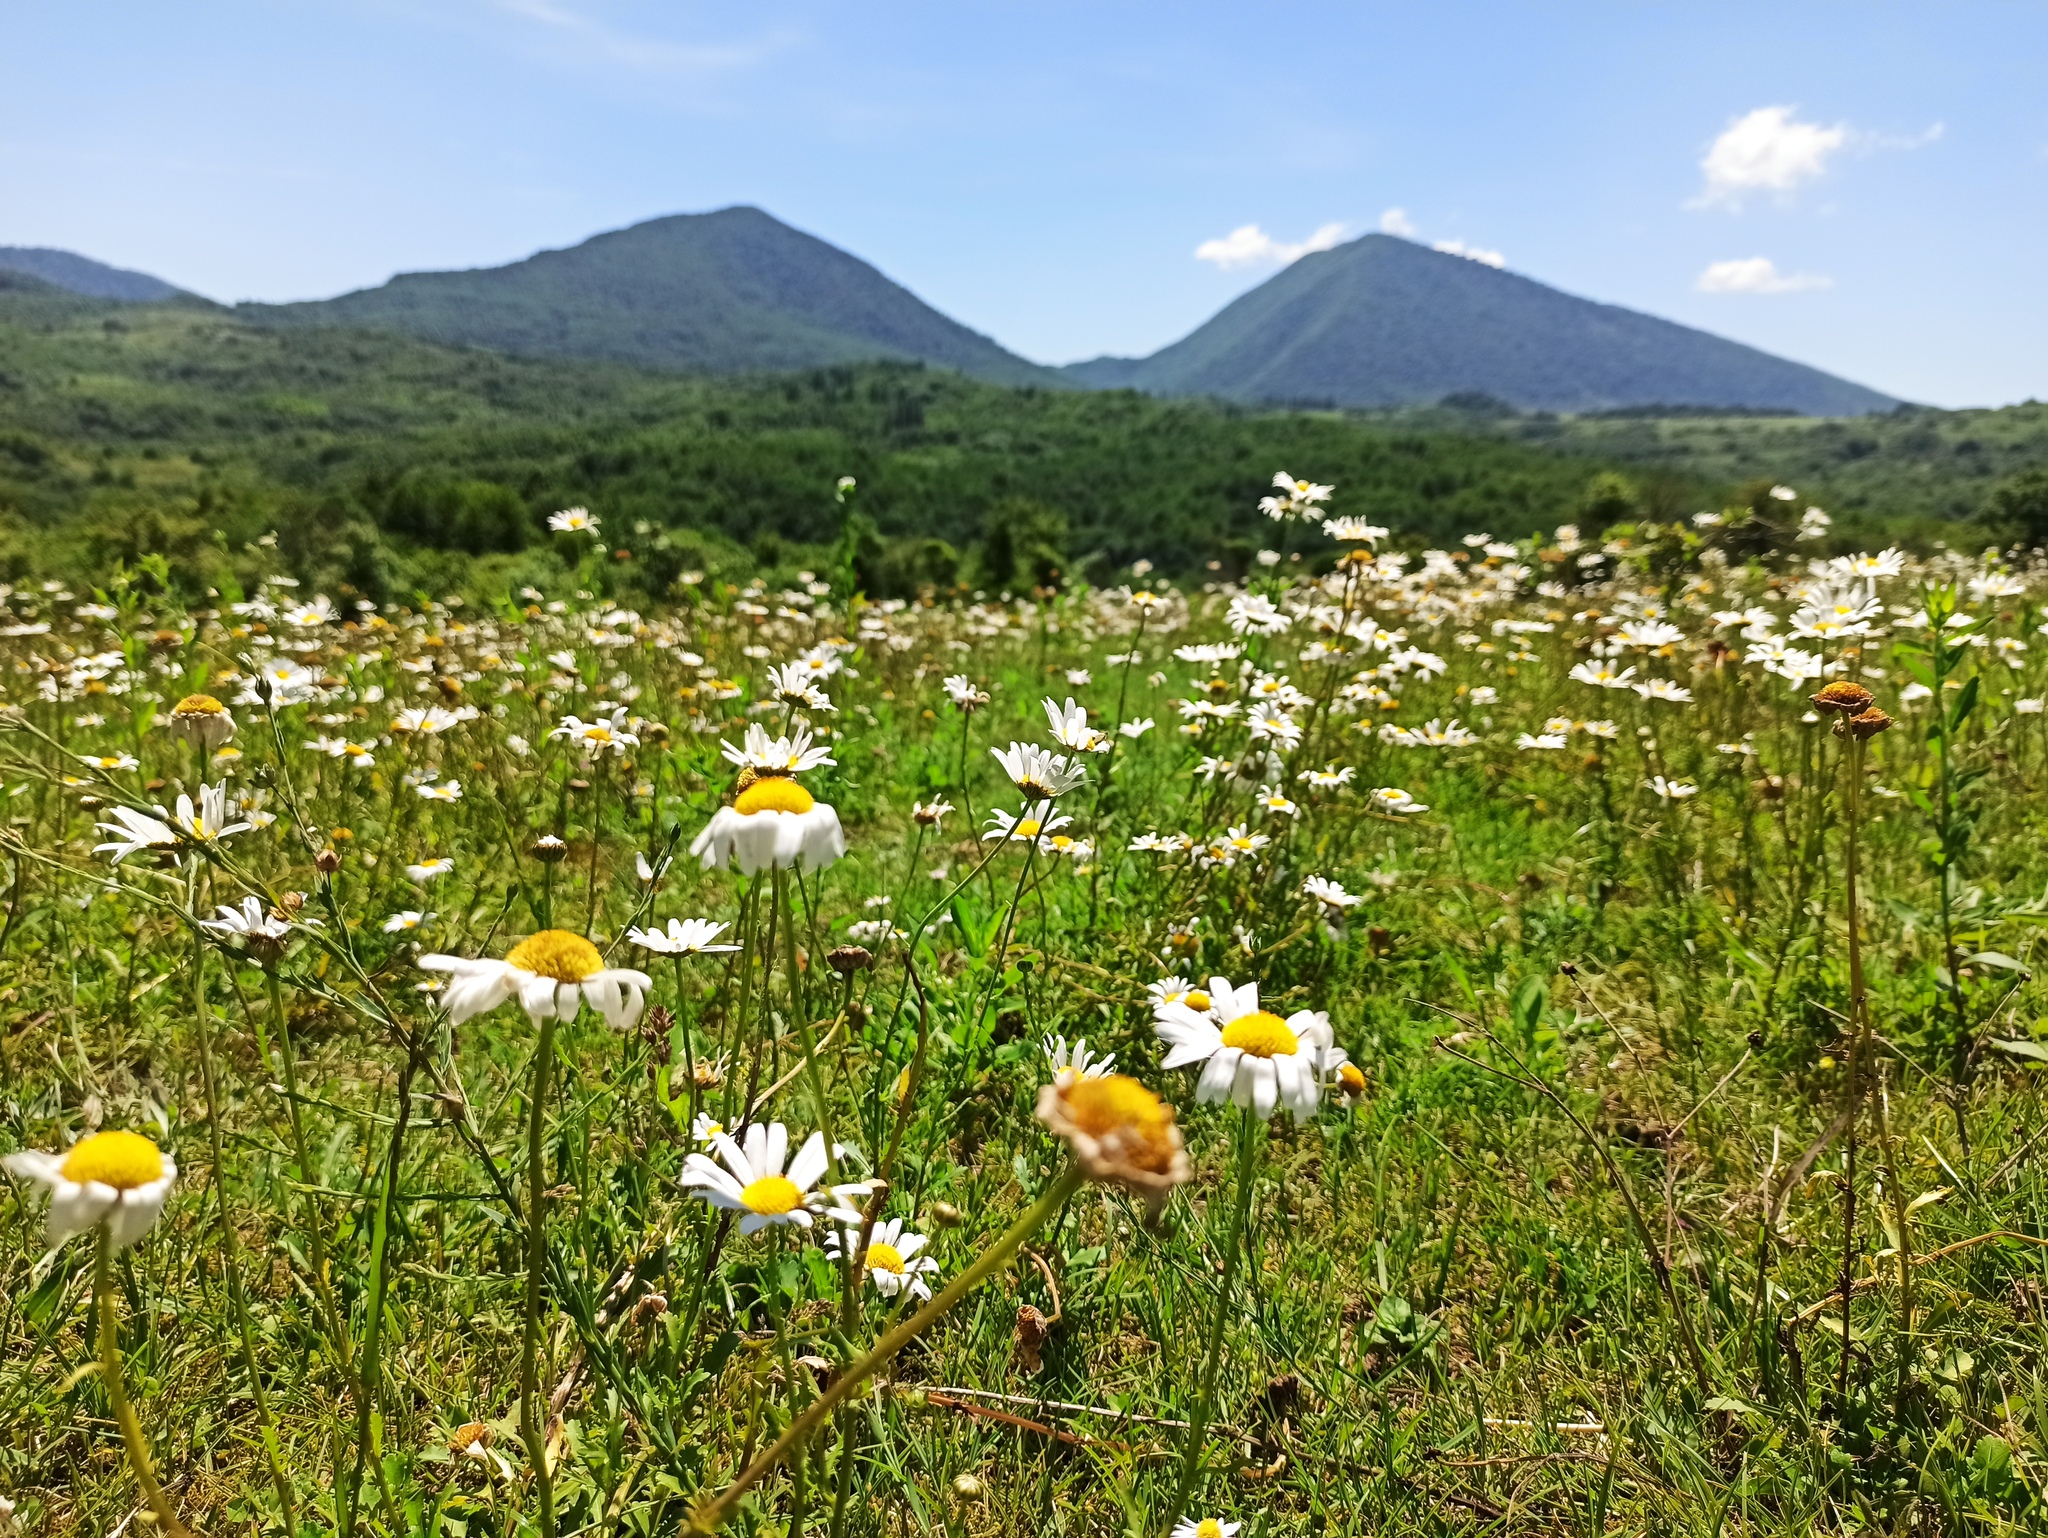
1120, 1132
1864, 725
1842, 698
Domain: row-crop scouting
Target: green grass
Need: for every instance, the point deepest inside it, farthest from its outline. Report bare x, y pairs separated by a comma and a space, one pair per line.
1567, 995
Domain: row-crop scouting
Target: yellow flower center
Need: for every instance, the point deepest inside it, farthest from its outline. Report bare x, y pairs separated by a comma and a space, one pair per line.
1260, 1034
469, 1435
1197, 999
1208, 1527
772, 1196
885, 1257
1027, 827
773, 793
123, 1160
555, 953
1117, 1105
198, 705
1352, 1080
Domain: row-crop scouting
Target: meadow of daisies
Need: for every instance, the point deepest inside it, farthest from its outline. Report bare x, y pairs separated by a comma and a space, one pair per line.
1532, 1036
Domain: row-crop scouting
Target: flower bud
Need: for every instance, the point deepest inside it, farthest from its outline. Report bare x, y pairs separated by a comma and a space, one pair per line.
327, 861
849, 959
548, 849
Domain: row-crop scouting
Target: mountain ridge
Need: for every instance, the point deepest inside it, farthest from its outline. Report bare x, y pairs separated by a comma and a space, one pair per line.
1381, 321
82, 275
731, 291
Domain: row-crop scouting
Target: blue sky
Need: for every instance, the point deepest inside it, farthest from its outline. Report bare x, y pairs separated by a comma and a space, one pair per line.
1863, 187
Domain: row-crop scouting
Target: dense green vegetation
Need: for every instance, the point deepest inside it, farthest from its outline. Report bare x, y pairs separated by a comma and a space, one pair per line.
389, 465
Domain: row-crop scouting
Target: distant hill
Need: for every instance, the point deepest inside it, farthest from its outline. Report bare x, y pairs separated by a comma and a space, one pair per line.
1382, 321
729, 292
82, 275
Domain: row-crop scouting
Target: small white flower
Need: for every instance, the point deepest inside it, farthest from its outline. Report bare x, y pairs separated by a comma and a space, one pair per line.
1672, 790
250, 921
1076, 1062
1251, 1058
683, 937
598, 737
430, 868
1070, 728
892, 1260
445, 791
573, 520
1039, 775
406, 919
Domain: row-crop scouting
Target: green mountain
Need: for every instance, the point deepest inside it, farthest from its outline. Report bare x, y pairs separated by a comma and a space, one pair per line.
1381, 322
735, 291
82, 275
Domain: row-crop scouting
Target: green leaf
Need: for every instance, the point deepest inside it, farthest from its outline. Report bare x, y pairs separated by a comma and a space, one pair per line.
1965, 703
2032, 1049
1996, 959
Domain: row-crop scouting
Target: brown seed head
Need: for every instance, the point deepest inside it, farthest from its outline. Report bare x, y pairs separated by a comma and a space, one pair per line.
849, 959
1842, 698
1865, 724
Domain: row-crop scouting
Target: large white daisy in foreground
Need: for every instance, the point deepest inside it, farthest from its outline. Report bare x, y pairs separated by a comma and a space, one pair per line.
552, 974
759, 1179
118, 1178
1250, 1056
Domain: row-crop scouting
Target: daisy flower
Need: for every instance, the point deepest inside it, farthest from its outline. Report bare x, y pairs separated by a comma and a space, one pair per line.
772, 823
133, 832
1396, 802
1329, 893
1328, 778
1039, 775
573, 520
795, 684
1136, 729
1250, 1056
430, 720
683, 937
763, 754
552, 973
202, 720
761, 1180
445, 791
120, 1179
1075, 1061
1273, 801
1070, 727
1206, 1527
1177, 990
252, 922
928, 815
429, 868
960, 689
108, 762
892, 1260
406, 919
706, 1130
1671, 790
1033, 823
597, 737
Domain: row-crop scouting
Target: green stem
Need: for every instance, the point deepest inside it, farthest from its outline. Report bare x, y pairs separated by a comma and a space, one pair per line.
708, 1517
1198, 1423
117, 1392
531, 1430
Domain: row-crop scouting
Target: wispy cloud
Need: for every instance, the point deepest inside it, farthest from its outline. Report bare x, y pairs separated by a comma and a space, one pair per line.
646, 54
1250, 246
1395, 221
1756, 275
1470, 253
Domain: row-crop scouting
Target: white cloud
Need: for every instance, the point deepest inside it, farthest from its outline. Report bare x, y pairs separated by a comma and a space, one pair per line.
1470, 253
1250, 246
1767, 150
1395, 221
1756, 275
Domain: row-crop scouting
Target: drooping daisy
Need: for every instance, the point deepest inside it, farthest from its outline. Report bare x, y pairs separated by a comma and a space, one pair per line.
772, 823
960, 689
891, 1260
1252, 1058
252, 923
683, 937
551, 973
760, 1179
120, 1179
133, 831
795, 684
202, 719
1075, 1061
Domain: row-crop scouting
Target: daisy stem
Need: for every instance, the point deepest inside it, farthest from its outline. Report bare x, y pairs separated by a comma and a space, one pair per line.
708, 1517
530, 1429
117, 1392
1212, 1360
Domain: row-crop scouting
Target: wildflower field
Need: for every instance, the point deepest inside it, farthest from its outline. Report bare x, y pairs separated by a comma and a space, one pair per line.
1533, 1036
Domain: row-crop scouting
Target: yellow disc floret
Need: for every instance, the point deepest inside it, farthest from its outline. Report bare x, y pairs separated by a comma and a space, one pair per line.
1027, 827
771, 1196
1259, 1034
558, 954
198, 705
885, 1257
773, 793
1198, 1000
1115, 1106
1209, 1527
123, 1160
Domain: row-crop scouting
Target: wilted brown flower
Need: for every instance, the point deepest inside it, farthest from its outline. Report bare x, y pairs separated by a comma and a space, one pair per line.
1865, 724
1842, 698
849, 959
